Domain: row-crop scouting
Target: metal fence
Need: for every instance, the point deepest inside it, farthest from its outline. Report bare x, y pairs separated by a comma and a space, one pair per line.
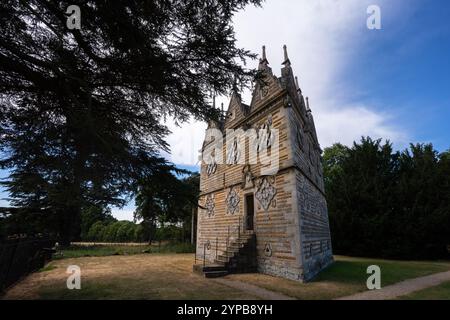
22, 255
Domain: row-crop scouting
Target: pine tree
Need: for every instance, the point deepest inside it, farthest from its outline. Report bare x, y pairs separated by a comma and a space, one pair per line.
82, 109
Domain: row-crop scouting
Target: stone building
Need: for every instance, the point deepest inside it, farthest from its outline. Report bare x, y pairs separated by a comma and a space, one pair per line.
260, 216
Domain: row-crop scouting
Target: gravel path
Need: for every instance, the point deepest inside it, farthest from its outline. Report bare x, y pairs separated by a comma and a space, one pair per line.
254, 290
401, 288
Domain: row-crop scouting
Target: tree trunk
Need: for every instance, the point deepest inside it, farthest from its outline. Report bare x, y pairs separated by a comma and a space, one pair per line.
70, 226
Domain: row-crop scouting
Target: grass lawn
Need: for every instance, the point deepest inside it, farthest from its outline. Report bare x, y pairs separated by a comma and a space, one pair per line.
440, 292
115, 250
143, 276
170, 276
345, 277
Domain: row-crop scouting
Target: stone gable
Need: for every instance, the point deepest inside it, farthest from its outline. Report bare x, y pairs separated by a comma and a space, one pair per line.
250, 221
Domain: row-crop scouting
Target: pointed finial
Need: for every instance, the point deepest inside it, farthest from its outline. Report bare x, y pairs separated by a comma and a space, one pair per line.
263, 62
297, 86
286, 57
234, 89
308, 109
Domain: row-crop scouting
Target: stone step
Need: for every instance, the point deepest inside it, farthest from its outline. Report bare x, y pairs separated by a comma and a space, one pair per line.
235, 247
199, 268
226, 260
222, 259
226, 256
238, 242
216, 274
231, 252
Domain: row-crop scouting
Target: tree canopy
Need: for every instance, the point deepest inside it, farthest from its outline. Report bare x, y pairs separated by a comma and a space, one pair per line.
163, 197
388, 204
82, 111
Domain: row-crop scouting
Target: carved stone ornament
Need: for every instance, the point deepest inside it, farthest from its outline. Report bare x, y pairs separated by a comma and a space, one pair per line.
264, 91
247, 179
266, 192
233, 152
268, 250
232, 201
211, 166
209, 205
265, 135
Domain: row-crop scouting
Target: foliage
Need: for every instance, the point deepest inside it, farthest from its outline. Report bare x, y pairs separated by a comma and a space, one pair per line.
164, 198
82, 111
388, 204
93, 214
127, 231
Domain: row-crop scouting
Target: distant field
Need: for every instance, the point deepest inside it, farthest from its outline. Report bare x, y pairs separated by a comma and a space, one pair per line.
100, 250
170, 276
87, 244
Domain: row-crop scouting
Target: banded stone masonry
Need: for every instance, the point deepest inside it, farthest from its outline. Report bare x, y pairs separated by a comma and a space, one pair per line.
275, 224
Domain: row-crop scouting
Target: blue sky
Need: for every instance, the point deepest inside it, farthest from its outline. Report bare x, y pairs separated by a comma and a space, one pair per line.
405, 70
392, 83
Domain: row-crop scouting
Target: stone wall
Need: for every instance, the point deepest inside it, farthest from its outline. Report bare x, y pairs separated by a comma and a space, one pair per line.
314, 228
291, 219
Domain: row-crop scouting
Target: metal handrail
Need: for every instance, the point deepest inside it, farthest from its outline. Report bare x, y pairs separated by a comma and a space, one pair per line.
230, 232
206, 245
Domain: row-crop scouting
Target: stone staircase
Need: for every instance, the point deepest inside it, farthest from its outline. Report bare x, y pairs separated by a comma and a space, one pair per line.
239, 257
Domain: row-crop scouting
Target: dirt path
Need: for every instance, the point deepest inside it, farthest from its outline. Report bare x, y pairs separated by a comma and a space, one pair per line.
254, 290
401, 288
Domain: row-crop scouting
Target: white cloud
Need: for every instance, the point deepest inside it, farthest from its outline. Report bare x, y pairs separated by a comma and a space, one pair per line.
123, 214
351, 123
323, 38
4, 203
185, 141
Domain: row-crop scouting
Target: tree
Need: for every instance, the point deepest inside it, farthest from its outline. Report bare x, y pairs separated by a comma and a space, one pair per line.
82, 110
388, 204
91, 215
126, 231
163, 197
96, 231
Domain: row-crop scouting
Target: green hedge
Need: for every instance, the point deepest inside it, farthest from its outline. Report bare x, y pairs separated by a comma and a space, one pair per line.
127, 231
119, 231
